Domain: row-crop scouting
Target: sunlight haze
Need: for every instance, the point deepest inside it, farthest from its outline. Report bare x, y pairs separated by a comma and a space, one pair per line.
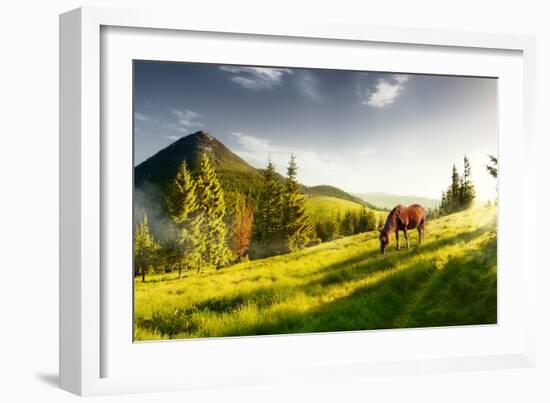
359, 131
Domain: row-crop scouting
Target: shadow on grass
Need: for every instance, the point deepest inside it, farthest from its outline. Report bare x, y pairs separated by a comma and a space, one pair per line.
371, 262
375, 306
450, 296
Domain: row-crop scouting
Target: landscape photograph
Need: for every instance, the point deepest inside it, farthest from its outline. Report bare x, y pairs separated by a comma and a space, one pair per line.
280, 200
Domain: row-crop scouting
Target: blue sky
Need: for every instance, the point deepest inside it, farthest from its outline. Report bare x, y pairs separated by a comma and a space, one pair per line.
361, 131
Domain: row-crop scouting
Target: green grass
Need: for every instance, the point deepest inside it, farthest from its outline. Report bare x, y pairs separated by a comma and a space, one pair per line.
341, 285
322, 207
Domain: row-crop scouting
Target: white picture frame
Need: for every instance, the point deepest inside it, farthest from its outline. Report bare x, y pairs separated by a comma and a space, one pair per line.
86, 346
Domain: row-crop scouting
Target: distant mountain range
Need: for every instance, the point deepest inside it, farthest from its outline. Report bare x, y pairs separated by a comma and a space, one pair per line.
388, 200
235, 174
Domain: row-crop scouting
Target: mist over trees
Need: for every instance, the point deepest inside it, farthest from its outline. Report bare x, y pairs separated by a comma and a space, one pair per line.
205, 227
145, 248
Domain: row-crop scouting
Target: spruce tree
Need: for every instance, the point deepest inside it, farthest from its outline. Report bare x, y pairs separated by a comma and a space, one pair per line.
443, 207
268, 217
182, 199
145, 249
297, 226
362, 221
186, 240
468, 192
492, 167
346, 224
211, 207
455, 189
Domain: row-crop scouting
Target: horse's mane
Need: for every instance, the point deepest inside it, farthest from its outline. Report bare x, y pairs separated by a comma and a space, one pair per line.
391, 221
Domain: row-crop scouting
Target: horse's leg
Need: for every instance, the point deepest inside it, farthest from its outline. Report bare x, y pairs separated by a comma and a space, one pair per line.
397, 238
406, 237
420, 233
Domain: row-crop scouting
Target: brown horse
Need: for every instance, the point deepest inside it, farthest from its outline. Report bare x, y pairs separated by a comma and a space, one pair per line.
403, 218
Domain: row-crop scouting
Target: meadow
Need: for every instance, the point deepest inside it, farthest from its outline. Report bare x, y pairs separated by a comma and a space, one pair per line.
323, 207
345, 284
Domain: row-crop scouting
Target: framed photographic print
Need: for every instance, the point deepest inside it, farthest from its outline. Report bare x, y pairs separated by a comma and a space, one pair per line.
254, 200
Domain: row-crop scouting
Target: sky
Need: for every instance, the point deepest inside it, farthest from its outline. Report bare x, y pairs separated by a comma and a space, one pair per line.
360, 131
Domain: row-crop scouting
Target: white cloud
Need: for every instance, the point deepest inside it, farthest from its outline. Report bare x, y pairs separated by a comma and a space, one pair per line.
173, 138
314, 168
401, 78
256, 78
308, 85
141, 117
385, 92
186, 120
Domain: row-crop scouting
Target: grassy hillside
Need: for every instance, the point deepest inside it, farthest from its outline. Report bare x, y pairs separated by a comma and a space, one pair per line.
387, 200
341, 285
327, 190
327, 207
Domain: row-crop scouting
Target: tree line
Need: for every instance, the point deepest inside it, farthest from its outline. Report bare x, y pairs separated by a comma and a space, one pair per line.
352, 222
212, 228
282, 223
202, 235
461, 193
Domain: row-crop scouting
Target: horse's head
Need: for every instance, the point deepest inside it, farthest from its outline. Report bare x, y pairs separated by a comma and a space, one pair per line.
384, 241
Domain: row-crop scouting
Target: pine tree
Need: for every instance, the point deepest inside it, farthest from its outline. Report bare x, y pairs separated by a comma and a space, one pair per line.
186, 240
145, 249
468, 192
185, 245
268, 217
182, 199
211, 206
362, 221
372, 220
192, 242
492, 167
444, 206
455, 189
242, 225
461, 193
346, 224
297, 226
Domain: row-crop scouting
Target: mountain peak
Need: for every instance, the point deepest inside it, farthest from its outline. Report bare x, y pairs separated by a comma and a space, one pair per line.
162, 167
201, 135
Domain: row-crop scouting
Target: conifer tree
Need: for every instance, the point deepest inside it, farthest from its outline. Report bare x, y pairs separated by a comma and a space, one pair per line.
467, 191
182, 199
185, 245
492, 167
268, 217
372, 221
186, 240
346, 225
211, 206
297, 226
326, 229
145, 249
443, 207
365, 221
461, 193
455, 189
